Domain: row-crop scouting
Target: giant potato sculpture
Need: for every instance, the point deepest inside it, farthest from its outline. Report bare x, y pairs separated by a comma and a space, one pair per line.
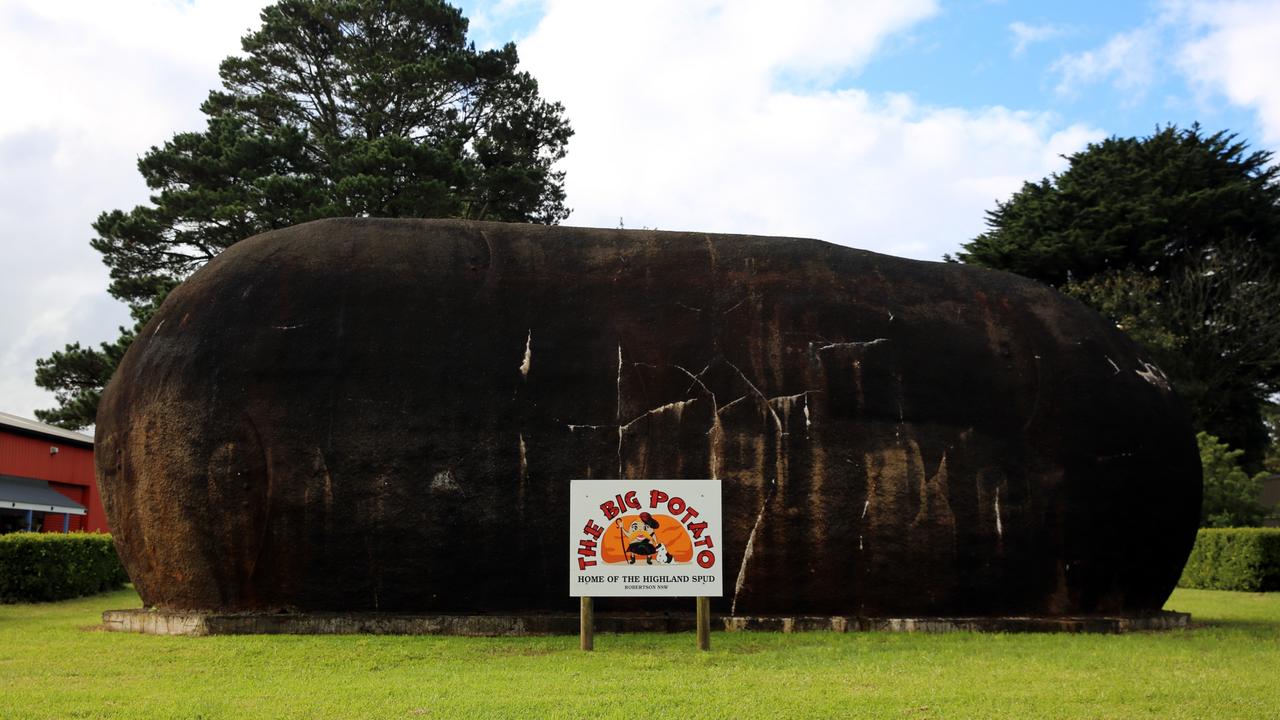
385, 415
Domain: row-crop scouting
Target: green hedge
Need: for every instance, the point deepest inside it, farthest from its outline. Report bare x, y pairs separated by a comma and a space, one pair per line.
53, 566
1245, 559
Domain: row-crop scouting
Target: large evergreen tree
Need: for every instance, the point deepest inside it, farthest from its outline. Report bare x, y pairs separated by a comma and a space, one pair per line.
335, 108
1176, 237
1148, 204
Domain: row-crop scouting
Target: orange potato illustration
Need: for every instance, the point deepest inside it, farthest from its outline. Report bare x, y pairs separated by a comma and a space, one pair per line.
628, 528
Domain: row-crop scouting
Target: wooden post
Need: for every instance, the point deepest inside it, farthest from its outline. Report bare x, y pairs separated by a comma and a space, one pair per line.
586, 625
704, 623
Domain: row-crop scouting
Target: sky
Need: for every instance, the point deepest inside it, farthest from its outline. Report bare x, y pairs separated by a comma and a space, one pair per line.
888, 125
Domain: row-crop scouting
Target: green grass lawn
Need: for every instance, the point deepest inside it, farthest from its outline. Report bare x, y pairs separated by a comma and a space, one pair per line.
56, 663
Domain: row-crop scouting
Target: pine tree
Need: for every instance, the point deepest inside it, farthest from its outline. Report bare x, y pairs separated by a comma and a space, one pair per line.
1175, 237
1147, 204
335, 108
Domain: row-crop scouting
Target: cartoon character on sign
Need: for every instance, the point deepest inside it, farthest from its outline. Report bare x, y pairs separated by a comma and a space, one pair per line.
660, 539
640, 539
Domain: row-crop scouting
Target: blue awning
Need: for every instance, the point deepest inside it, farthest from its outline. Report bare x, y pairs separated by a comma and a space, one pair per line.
19, 493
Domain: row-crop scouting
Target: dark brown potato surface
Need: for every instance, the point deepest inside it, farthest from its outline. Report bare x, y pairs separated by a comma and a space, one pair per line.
385, 415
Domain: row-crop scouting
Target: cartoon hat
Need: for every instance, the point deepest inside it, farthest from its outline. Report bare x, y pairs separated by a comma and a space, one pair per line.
648, 520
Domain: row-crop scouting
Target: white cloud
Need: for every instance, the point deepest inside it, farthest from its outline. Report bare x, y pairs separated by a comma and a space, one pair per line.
1236, 53
89, 86
684, 122
688, 116
1025, 35
1128, 60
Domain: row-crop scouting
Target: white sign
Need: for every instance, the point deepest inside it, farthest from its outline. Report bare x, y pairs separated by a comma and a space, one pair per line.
645, 538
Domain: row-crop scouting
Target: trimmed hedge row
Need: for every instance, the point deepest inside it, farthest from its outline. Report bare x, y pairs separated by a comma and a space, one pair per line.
52, 566
1246, 559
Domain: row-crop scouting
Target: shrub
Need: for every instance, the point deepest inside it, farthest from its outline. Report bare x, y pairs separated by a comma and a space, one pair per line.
1245, 559
50, 566
1230, 495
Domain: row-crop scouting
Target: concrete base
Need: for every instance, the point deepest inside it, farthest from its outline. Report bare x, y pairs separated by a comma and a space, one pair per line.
1085, 624
160, 622
156, 622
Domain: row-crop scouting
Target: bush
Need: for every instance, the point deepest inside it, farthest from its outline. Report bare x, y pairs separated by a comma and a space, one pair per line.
51, 566
1230, 495
1246, 559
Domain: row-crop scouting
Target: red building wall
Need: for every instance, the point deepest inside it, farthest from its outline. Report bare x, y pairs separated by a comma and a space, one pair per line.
69, 472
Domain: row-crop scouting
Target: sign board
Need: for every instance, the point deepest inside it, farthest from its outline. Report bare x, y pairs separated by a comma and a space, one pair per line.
645, 538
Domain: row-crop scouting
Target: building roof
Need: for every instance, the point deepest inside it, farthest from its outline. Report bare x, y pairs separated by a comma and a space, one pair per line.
19, 493
52, 432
